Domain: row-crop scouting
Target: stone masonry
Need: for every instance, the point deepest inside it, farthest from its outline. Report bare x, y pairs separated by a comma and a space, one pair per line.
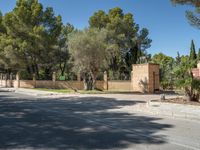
145, 78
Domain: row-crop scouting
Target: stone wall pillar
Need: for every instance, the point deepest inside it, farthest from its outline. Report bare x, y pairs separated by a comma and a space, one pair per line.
10, 80
18, 80
6, 80
34, 80
132, 81
54, 79
105, 79
1, 76
79, 76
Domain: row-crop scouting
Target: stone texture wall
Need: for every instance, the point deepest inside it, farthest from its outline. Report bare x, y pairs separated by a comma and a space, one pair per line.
196, 71
120, 85
145, 78
50, 84
140, 78
154, 77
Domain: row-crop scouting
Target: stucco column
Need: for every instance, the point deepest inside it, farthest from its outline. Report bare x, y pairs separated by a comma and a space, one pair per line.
18, 80
54, 79
105, 79
34, 80
79, 76
6, 80
10, 80
1, 78
132, 80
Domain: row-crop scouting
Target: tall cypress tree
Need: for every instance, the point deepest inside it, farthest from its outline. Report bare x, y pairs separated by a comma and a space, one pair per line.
198, 56
178, 58
193, 55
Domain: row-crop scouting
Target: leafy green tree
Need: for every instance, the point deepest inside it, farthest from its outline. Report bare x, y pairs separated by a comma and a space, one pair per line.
193, 17
166, 66
88, 50
31, 36
127, 42
52, 26
184, 79
62, 55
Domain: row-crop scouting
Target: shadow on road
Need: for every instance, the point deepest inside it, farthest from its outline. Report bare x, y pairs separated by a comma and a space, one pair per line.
74, 123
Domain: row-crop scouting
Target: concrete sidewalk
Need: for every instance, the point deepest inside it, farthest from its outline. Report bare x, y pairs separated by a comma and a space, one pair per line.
174, 110
150, 103
31, 92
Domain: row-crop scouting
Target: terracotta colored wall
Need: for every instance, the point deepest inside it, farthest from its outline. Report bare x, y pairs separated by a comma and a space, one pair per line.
143, 77
26, 83
142, 80
140, 77
154, 81
120, 85
50, 84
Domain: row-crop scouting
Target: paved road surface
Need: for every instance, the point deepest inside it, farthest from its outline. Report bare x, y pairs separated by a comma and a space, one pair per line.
88, 122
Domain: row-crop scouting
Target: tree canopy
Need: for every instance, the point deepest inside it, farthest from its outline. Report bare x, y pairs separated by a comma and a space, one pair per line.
88, 50
193, 16
127, 42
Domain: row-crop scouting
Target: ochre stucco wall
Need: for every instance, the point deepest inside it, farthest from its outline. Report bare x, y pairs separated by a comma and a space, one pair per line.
145, 77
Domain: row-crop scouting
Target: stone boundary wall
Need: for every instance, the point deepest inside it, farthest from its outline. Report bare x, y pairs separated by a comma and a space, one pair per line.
119, 85
112, 85
144, 78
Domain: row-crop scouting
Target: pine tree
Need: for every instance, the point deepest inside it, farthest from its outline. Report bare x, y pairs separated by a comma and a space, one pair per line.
193, 55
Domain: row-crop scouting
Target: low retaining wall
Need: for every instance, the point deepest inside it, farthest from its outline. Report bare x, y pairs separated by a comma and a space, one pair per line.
111, 85
120, 85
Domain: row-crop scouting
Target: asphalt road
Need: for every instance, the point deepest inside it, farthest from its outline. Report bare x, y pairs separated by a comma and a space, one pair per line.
30, 122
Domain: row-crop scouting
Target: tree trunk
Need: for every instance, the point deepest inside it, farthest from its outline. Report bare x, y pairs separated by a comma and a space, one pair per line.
89, 81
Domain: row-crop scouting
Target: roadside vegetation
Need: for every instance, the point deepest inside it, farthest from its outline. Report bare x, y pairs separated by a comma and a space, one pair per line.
35, 41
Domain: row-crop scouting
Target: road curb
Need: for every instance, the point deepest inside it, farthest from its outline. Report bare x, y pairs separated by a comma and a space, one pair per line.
172, 110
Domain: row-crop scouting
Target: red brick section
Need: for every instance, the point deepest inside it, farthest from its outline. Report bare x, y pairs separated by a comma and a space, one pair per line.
196, 71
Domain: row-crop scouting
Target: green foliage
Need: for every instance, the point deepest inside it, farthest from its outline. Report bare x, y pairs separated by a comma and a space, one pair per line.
198, 55
193, 55
166, 66
185, 80
126, 42
88, 50
30, 38
193, 17
62, 54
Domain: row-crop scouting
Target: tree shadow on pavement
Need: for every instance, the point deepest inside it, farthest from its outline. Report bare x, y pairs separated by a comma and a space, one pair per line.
74, 123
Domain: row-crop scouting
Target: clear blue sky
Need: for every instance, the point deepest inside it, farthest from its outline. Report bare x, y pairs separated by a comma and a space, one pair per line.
168, 26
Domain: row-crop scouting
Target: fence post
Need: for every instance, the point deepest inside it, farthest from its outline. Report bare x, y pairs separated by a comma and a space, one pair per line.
18, 79
105, 79
54, 79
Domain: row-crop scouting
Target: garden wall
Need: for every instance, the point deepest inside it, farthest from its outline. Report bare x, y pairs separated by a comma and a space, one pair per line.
119, 85
112, 85
144, 78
